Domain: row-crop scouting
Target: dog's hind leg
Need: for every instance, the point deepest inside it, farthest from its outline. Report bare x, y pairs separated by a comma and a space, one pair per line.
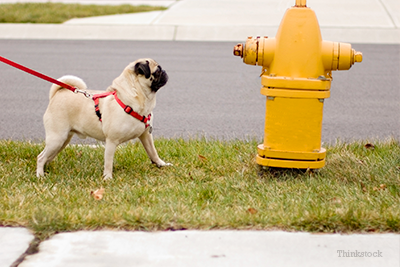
109, 152
53, 146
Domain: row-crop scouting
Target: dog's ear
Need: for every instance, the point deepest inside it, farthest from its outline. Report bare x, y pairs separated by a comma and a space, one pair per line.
143, 69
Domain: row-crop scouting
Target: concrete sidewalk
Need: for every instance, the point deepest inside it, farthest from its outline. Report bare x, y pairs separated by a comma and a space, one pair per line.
354, 21
208, 248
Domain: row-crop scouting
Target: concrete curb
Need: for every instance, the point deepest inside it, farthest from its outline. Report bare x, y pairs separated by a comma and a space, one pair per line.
182, 33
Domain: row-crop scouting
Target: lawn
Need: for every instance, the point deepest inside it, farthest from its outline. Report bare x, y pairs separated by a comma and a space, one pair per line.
59, 13
213, 185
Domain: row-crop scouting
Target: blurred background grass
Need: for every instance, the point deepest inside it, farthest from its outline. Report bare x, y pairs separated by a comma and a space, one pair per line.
59, 12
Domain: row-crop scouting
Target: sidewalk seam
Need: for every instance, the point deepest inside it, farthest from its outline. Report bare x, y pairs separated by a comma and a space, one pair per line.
32, 249
388, 13
160, 16
175, 33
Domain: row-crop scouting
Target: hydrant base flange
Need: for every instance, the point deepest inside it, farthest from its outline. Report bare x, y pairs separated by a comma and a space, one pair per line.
291, 159
292, 164
291, 155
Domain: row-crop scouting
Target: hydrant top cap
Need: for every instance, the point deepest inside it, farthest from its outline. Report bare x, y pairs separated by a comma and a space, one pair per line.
301, 3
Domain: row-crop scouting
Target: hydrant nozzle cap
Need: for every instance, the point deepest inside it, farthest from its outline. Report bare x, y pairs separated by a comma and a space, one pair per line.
238, 50
358, 57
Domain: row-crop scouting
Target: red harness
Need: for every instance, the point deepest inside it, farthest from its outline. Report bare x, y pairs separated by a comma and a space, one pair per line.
126, 108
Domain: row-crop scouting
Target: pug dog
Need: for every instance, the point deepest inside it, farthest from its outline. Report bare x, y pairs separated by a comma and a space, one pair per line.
121, 113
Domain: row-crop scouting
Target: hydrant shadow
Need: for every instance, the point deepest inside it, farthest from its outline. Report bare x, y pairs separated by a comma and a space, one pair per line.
283, 173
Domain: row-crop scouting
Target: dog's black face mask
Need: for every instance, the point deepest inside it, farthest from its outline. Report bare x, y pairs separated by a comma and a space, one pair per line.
158, 78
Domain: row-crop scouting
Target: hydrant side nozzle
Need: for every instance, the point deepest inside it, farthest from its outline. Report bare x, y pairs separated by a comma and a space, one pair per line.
250, 53
347, 56
266, 51
339, 56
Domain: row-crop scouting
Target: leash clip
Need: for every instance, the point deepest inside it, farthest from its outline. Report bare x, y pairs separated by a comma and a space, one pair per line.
82, 92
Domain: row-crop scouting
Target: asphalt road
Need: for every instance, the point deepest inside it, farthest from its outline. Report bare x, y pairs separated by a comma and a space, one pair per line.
210, 92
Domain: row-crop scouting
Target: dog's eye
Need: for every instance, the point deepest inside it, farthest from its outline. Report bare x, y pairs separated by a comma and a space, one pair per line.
156, 74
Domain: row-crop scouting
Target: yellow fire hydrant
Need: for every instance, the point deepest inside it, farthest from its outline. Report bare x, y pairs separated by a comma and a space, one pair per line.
296, 78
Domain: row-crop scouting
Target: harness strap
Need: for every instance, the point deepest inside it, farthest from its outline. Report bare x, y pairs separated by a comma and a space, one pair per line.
131, 112
126, 108
96, 99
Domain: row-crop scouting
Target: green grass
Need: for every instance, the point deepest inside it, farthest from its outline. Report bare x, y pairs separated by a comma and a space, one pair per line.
212, 185
59, 13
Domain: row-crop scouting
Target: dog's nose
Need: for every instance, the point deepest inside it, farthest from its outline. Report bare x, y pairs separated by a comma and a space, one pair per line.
165, 75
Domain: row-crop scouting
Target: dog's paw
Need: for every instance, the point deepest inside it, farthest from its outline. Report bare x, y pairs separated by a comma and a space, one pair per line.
167, 164
39, 173
162, 164
107, 177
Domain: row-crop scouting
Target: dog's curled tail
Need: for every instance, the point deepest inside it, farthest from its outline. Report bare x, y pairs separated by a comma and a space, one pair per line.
68, 79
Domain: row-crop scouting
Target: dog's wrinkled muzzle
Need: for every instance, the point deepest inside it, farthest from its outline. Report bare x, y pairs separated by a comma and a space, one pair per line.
159, 80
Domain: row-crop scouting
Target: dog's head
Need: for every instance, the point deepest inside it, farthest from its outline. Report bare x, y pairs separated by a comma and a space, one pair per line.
150, 70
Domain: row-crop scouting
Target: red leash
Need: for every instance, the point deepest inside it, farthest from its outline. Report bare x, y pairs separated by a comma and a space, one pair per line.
37, 74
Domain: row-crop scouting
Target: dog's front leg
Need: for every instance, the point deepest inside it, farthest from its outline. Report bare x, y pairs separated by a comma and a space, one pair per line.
147, 140
109, 159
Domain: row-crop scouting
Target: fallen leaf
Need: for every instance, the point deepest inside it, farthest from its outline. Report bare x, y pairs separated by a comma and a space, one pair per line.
369, 146
98, 194
252, 211
360, 161
363, 187
381, 187
336, 200
202, 157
